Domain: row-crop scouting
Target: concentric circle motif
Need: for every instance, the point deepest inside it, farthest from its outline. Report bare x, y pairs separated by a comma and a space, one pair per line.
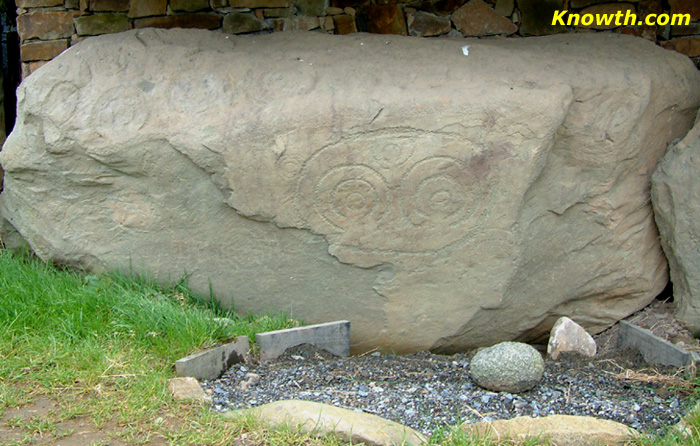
350, 194
389, 155
438, 191
119, 112
283, 82
61, 102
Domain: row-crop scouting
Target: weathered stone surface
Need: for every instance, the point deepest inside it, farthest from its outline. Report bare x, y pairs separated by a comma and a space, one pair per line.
94, 25
476, 18
690, 46
193, 20
655, 350
333, 337
609, 10
109, 5
561, 430
347, 425
507, 367
29, 68
278, 12
327, 23
536, 17
685, 30
381, 19
504, 7
242, 22
189, 5
312, 7
440, 7
675, 195
213, 362
424, 24
445, 209
296, 23
45, 25
38, 3
259, 3
584, 3
644, 31
146, 8
691, 7
42, 50
344, 24
183, 389
568, 336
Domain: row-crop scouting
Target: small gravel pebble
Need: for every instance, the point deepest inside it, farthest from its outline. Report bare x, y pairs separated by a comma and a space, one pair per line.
425, 391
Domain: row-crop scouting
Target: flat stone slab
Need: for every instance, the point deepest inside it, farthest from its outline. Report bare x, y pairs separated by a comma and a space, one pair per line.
333, 337
561, 430
654, 349
347, 425
183, 389
212, 363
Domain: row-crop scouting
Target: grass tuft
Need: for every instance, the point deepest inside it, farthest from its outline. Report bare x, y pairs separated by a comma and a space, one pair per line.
103, 346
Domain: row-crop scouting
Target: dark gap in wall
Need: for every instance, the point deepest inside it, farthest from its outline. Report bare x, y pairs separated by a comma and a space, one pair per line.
667, 293
10, 56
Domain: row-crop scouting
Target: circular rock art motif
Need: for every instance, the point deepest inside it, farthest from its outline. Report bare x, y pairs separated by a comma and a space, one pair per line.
289, 166
436, 190
286, 82
388, 155
347, 195
394, 191
61, 101
196, 94
120, 112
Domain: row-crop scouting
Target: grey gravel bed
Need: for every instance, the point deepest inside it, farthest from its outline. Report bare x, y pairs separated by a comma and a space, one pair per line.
426, 391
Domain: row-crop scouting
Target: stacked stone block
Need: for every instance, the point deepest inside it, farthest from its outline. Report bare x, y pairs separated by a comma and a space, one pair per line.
47, 27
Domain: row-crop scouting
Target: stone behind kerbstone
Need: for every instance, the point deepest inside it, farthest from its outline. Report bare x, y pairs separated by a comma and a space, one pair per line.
324, 419
474, 200
560, 430
568, 336
507, 367
675, 194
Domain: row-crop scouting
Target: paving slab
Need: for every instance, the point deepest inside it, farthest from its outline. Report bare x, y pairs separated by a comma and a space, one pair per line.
325, 419
187, 389
333, 337
212, 363
654, 349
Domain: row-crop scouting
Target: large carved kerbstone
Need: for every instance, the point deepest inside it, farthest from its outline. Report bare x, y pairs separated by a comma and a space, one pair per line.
675, 195
434, 199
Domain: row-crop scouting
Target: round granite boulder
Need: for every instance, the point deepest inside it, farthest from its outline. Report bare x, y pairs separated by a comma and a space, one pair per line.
507, 367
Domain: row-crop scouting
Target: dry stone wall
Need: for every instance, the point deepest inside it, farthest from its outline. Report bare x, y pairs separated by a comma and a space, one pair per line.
48, 27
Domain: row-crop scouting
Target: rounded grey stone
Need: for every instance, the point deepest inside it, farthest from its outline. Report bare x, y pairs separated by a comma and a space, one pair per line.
507, 367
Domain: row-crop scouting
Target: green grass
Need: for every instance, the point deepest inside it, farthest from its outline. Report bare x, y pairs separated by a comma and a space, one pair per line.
102, 347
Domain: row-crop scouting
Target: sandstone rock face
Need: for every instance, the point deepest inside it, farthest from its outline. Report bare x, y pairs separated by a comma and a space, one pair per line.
324, 419
561, 430
437, 200
507, 367
675, 195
